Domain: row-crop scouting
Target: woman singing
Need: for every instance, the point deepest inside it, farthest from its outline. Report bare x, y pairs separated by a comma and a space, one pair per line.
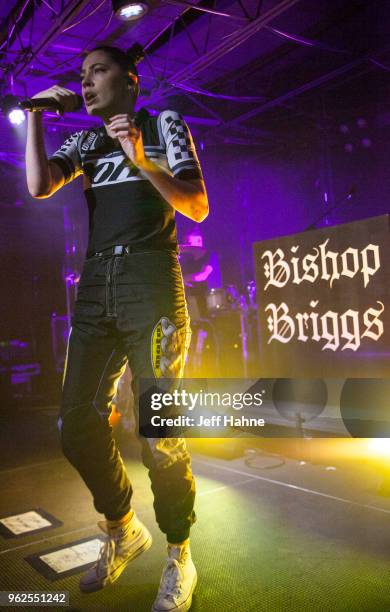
130, 305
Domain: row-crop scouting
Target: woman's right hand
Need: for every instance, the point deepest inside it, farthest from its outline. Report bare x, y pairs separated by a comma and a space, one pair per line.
67, 98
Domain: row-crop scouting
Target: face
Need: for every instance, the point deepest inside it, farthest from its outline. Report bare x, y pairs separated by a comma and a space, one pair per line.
105, 86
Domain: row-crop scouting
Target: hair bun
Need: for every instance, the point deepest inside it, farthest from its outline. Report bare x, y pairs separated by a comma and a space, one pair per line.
136, 53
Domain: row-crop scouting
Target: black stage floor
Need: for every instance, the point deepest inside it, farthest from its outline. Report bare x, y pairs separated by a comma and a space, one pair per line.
296, 537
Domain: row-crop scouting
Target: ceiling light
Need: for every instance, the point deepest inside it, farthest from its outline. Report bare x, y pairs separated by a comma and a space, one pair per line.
129, 11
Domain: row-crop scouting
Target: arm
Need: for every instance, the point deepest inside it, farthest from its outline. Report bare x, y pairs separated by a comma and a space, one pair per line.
43, 177
187, 196
198, 277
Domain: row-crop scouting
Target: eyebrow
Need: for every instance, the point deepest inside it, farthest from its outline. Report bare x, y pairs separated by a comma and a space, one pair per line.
93, 66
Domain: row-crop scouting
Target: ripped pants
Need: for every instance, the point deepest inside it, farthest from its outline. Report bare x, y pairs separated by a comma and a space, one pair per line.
125, 304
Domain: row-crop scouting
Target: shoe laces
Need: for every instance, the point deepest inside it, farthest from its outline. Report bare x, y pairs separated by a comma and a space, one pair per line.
106, 555
171, 579
107, 550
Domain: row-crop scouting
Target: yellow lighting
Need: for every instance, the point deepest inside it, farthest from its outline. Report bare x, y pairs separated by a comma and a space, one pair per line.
380, 446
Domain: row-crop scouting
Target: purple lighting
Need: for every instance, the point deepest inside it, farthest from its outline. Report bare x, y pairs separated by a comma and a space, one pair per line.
72, 278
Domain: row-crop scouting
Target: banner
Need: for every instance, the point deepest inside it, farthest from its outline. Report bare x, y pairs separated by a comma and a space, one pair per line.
323, 301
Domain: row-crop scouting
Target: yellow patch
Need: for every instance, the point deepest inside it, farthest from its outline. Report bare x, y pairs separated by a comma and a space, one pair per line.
165, 349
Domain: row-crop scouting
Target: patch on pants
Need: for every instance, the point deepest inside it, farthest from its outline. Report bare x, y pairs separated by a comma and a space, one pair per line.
167, 350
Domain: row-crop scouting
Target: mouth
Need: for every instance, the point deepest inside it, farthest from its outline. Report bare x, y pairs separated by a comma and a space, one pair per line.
89, 98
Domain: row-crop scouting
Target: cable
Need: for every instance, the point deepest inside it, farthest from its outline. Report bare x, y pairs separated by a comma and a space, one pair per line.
311, 43
306, 42
253, 454
84, 49
206, 10
9, 36
383, 66
203, 92
73, 25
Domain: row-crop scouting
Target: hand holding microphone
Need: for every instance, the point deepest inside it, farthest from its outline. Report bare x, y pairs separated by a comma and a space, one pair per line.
56, 99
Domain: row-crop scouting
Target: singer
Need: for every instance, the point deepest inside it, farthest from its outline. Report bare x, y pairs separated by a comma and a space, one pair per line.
137, 172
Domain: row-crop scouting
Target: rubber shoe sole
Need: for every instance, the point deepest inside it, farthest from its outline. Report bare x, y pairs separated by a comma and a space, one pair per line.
186, 605
90, 587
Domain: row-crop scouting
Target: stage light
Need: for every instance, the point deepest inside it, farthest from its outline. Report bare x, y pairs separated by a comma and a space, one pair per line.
129, 11
9, 106
16, 116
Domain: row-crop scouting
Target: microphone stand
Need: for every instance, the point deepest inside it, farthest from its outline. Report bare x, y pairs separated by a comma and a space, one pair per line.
338, 204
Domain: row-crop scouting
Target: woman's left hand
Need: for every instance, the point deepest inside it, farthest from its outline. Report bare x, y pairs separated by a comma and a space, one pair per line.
130, 138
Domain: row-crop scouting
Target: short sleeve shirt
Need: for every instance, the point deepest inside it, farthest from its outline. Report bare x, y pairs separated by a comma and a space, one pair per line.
124, 207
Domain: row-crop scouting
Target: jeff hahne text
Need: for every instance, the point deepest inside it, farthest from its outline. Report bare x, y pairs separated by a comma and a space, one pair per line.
202, 399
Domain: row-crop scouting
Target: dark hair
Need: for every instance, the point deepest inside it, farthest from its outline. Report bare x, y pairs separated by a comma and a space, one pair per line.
127, 60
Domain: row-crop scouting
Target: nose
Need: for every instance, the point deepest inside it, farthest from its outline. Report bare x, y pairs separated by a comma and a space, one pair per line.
86, 81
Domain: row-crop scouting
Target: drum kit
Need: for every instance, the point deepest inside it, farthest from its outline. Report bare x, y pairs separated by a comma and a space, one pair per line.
225, 344
221, 299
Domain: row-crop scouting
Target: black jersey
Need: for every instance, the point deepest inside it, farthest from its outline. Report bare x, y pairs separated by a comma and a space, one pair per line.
124, 207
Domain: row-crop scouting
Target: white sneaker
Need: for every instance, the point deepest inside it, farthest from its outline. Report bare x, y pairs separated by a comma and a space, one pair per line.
177, 583
123, 544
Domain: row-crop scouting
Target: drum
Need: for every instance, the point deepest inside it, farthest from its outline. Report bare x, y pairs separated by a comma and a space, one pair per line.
216, 300
223, 299
233, 296
224, 346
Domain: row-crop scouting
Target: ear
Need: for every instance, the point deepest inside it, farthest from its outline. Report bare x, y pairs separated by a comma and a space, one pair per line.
134, 87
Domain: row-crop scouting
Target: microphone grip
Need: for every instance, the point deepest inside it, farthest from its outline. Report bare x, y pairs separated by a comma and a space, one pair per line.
140, 117
46, 104
40, 104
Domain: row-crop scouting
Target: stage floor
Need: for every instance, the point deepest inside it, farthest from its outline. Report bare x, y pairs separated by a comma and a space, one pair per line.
289, 538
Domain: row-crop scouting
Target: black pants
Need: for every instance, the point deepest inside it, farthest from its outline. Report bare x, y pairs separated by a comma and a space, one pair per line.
125, 304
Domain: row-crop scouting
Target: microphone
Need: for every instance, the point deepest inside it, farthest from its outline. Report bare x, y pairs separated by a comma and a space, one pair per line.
347, 198
46, 104
140, 117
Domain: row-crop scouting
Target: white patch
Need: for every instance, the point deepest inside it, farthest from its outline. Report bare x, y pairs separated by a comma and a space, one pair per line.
23, 523
73, 556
